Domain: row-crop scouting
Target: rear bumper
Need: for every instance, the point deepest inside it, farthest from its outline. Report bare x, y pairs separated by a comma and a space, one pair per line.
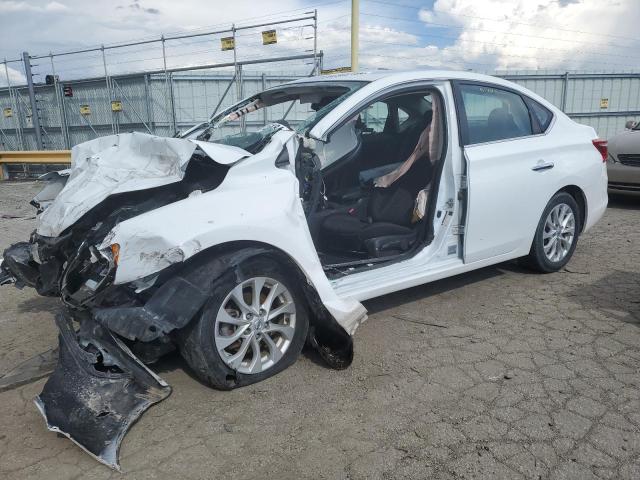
623, 178
97, 391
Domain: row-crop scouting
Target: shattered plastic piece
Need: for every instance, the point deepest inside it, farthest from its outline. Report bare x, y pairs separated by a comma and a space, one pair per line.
97, 392
170, 308
17, 260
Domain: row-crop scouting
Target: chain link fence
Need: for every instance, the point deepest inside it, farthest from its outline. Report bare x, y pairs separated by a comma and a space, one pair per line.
159, 86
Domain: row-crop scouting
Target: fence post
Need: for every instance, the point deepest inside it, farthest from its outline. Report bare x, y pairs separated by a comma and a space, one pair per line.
56, 86
315, 41
108, 83
35, 114
565, 87
243, 119
14, 105
148, 104
168, 90
264, 87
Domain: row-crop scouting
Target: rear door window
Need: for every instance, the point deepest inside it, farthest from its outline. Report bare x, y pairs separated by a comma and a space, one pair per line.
542, 114
492, 113
375, 117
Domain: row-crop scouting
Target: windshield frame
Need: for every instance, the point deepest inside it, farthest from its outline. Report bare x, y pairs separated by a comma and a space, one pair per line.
216, 119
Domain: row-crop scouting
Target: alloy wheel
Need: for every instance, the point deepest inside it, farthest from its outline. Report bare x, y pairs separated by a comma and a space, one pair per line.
255, 325
559, 232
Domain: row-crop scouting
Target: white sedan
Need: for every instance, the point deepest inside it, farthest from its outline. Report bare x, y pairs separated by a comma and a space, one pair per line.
267, 226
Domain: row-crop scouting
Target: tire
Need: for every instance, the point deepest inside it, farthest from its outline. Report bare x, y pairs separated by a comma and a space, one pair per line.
227, 367
551, 251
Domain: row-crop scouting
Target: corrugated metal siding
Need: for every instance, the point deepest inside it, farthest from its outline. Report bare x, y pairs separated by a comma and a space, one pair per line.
145, 100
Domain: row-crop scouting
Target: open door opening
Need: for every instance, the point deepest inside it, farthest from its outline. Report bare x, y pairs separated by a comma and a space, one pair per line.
371, 187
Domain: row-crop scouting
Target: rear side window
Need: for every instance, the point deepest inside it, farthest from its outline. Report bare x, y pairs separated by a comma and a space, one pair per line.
543, 114
493, 114
375, 117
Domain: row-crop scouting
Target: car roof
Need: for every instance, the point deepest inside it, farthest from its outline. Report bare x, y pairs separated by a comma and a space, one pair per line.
403, 75
394, 77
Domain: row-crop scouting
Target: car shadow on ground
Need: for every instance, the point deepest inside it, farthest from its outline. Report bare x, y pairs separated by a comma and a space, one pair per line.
40, 304
396, 299
615, 295
624, 202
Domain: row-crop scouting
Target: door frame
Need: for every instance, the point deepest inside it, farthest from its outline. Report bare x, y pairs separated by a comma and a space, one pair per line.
426, 233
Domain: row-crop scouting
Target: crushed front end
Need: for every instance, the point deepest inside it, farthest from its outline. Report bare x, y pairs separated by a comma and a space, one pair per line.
107, 331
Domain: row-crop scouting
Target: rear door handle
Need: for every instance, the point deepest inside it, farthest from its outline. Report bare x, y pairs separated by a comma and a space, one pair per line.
542, 166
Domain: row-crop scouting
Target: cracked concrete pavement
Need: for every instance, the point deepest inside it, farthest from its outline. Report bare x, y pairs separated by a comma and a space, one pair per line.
499, 373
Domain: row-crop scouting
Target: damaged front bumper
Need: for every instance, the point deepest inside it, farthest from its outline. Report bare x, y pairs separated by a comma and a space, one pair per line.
98, 389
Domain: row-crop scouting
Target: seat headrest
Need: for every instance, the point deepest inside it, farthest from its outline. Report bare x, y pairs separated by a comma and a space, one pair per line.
499, 116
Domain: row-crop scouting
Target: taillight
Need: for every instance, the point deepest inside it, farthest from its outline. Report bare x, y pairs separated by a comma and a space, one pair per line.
602, 146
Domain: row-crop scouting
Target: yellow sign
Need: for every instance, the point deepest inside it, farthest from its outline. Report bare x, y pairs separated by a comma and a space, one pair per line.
604, 103
116, 106
228, 43
8, 112
269, 37
85, 110
331, 71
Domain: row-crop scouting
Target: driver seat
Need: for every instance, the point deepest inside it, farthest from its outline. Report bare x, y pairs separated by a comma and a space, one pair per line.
384, 226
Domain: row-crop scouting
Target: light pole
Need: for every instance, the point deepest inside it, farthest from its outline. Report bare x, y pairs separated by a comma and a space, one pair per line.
355, 28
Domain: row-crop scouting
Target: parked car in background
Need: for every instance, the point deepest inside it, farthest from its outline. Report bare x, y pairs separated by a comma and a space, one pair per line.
237, 249
623, 161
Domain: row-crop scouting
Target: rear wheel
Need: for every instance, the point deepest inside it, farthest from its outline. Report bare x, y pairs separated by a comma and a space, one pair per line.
557, 234
253, 326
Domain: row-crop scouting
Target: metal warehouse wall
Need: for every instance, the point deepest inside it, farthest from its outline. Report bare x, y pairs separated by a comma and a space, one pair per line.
151, 103
604, 101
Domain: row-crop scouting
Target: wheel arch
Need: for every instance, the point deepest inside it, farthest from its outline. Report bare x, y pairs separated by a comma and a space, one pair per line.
578, 195
326, 335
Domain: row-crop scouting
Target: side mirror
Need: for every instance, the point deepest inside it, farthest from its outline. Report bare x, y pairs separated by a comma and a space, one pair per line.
630, 124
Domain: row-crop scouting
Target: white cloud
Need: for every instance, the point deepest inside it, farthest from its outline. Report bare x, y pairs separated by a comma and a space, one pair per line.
13, 6
55, 7
540, 34
546, 34
15, 77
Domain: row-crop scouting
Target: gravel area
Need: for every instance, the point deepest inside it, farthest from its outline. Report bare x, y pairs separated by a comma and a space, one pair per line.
499, 373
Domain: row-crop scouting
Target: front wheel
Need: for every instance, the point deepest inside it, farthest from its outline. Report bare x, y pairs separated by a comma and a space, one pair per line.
557, 234
253, 326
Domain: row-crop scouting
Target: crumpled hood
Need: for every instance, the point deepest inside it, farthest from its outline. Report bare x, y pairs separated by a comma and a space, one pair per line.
123, 163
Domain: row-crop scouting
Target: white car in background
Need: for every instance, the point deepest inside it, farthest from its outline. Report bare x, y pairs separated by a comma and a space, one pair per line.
236, 249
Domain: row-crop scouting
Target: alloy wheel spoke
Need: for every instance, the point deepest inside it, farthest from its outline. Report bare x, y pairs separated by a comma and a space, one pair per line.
236, 359
275, 291
256, 361
225, 317
287, 307
238, 297
548, 234
257, 285
223, 341
549, 246
285, 330
274, 352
